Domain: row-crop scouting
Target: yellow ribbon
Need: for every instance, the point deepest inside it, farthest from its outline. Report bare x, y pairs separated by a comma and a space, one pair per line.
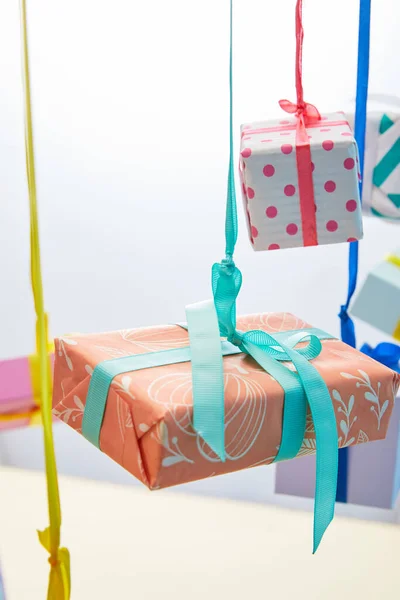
395, 260
59, 579
34, 370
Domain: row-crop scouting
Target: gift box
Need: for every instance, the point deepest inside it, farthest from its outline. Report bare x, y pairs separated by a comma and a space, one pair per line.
19, 392
378, 301
296, 191
381, 181
373, 471
147, 424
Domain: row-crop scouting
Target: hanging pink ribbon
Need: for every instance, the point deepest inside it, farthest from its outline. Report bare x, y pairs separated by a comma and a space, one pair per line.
306, 114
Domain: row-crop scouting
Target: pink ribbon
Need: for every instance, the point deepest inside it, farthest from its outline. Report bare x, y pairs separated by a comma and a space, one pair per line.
307, 114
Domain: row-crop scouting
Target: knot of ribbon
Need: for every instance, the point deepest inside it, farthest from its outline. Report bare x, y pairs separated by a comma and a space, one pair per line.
226, 283
386, 353
308, 112
347, 329
60, 578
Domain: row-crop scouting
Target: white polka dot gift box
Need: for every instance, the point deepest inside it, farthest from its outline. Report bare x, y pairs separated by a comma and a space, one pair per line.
300, 179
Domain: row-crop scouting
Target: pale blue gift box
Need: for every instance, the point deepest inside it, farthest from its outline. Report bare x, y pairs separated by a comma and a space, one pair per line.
378, 301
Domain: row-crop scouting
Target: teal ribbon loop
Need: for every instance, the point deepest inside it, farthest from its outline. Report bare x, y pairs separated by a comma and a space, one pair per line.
303, 387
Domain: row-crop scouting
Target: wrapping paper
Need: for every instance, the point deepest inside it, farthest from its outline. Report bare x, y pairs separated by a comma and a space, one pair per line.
373, 471
19, 393
270, 182
147, 425
378, 301
381, 184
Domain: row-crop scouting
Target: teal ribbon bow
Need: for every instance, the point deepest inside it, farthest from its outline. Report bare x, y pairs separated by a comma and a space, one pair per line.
389, 162
305, 386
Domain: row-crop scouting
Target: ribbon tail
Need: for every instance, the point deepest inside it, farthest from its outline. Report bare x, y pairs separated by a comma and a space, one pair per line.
207, 375
324, 419
347, 329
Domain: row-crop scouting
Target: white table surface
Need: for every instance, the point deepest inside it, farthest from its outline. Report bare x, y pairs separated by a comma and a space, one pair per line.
128, 543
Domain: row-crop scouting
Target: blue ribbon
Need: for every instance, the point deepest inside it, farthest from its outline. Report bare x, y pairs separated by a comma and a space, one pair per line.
347, 329
386, 353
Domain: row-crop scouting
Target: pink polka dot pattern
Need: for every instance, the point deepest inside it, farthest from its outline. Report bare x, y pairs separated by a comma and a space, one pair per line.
254, 231
351, 205
286, 148
271, 212
244, 188
292, 229
268, 170
327, 145
349, 164
332, 226
275, 190
247, 137
289, 190
330, 186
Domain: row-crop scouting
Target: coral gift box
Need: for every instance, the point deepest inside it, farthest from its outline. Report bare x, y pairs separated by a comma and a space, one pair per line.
148, 420
291, 200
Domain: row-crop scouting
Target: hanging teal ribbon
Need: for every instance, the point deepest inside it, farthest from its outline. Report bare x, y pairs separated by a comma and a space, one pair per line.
226, 283
205, 324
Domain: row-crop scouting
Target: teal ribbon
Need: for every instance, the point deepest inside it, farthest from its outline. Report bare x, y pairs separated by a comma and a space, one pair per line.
305, 386
207, 375
226, 283
205, 325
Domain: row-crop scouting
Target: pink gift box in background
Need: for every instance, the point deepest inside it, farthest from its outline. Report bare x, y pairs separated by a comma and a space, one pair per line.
16, 394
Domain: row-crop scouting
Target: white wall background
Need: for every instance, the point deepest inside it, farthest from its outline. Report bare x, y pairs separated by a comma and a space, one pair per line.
130, 107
